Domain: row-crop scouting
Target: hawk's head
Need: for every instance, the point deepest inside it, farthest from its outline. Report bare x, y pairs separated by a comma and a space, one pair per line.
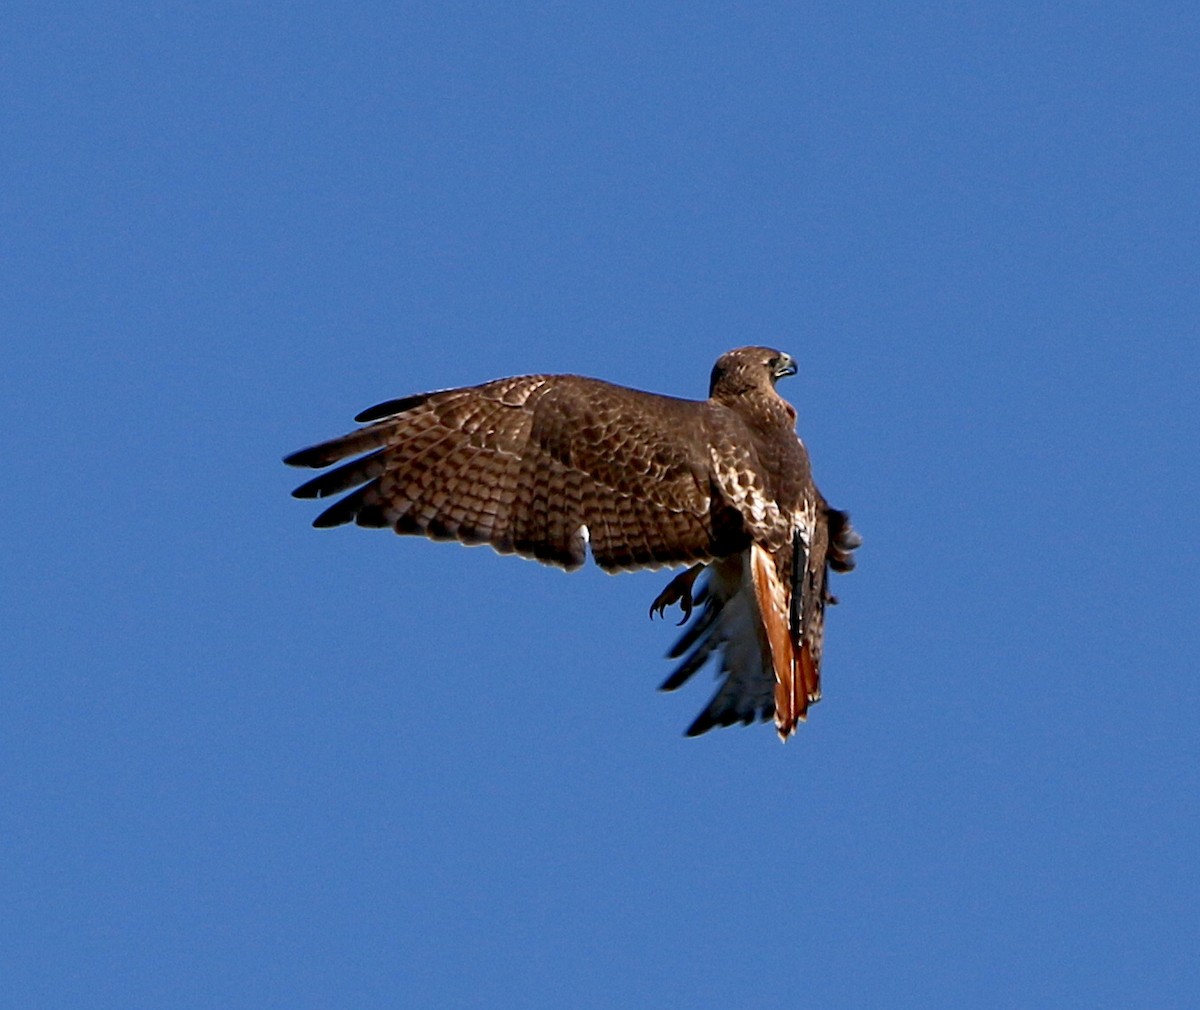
749, 368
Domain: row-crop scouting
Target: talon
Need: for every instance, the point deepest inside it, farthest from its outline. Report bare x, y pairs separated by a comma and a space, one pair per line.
678, 590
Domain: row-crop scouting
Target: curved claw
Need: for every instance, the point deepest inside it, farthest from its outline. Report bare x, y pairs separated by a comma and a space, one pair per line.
678, 590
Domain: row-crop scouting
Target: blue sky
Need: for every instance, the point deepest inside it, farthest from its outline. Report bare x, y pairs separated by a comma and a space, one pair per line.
245, 763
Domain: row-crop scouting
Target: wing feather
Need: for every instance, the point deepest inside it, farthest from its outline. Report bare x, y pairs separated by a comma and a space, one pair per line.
526, 464
729, 627
764, 617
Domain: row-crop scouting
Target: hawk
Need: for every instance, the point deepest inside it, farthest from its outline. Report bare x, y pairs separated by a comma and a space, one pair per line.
553, 467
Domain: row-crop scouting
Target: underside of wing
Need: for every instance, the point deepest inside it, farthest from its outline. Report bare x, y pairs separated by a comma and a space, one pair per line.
728, 627
762, 617
541, 466
764, 670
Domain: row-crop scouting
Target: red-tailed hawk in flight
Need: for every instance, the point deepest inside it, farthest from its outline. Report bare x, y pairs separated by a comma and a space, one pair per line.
552, 466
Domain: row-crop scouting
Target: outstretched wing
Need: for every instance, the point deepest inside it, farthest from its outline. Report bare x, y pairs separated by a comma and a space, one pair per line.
540, 466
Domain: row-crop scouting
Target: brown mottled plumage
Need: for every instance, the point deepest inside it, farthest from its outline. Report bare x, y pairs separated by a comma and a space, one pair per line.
550, 466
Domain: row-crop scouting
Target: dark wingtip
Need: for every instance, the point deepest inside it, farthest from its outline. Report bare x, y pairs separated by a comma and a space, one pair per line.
844, 540
355, 508
708, 719
390, 407
675, 681
304, 457
309, 489
335, 515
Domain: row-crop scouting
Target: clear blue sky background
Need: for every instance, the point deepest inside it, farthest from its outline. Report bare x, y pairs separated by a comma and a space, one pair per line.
246, 764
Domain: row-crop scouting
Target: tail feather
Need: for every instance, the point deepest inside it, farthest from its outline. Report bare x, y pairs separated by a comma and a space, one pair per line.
795, 672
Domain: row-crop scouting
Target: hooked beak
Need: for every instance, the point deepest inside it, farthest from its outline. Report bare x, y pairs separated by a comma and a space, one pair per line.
784, 365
